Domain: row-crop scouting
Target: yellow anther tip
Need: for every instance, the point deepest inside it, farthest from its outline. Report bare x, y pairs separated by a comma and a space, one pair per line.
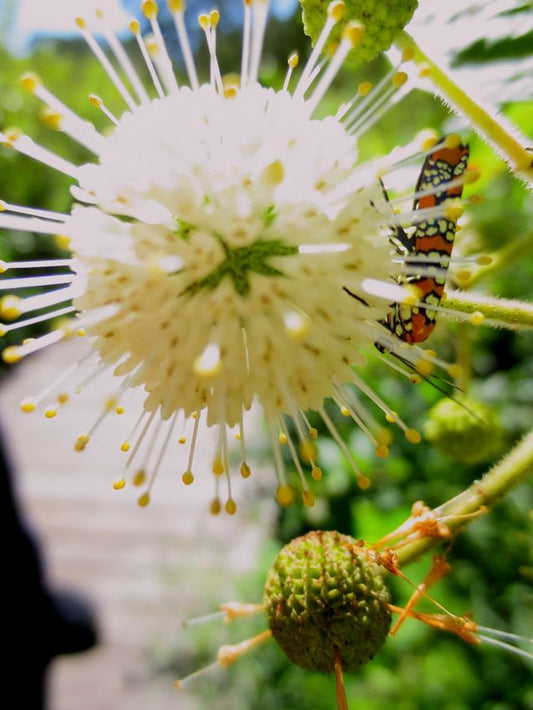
203, 21
452, 141
424, 72
119, 484
214, 18
308, 499
231, 507
399, 79
10, 307
81, 23
293, 60
273, 173
135, 27
214, 508
354, 32
484, 260
391, 417
283, 439
188, 478
176, 5
471, 175
336, 10
408, 54
424, 367
125, 446
455, 370
30, 82
308, 451
382, 451
454, 210
246, 471
218, 467
149, 9
11, 355
95, 100
284, 495
313, 433
28, 405
81, 442
364, 88
51, 119
142, 501
120, 409
316, 473
463, 275
413, 436
345, 411
139, 478
476, 318
363, 482
428, 139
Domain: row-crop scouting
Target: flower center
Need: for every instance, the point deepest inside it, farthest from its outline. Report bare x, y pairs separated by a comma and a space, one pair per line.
239, 262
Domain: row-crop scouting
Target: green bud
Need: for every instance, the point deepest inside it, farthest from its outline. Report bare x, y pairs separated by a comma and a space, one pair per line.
466, 431
322, 591
382, 20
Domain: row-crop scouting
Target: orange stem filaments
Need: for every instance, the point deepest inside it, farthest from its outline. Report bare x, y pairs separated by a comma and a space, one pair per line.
342, 702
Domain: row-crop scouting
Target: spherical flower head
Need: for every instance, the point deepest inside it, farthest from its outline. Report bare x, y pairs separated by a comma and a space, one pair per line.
467, 431
323, 591
381, 19
220, 297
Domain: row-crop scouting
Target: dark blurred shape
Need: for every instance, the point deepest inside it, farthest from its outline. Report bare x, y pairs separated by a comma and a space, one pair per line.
38, 622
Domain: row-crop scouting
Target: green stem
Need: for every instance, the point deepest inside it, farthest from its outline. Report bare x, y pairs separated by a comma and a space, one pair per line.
491, 128
482, 494
499, 312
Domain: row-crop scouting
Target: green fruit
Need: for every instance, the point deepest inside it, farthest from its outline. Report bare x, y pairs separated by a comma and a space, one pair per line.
382, 20
465, 431
323, 591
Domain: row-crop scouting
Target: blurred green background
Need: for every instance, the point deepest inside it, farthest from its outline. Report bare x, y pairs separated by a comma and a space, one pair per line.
492, 562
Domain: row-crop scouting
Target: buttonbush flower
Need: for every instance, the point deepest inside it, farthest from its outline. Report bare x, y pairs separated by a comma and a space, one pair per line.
228, 248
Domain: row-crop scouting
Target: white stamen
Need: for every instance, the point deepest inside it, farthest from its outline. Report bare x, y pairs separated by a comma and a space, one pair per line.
135, 29
5, 328
330, 73
183, 38
260, 15
167, 71
330, 23
106, 64
35, 281
246, 35
24, 144
123, 59
32, 212
77, 128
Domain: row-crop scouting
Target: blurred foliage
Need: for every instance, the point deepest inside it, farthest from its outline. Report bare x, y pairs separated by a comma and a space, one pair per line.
492, 562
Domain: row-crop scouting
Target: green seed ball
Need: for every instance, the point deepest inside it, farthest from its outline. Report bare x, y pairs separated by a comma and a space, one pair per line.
323, 591
382, 19
466, 431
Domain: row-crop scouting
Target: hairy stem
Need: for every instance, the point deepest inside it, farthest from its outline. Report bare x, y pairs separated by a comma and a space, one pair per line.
482, 494
499, 312
492, 128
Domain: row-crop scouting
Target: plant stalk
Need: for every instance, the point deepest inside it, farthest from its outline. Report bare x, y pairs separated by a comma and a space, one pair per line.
481, 495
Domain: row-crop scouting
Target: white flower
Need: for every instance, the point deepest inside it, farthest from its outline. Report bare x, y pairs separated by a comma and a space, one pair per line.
227, 248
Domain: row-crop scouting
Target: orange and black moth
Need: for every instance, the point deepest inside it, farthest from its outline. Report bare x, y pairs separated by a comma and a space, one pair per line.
428, 246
